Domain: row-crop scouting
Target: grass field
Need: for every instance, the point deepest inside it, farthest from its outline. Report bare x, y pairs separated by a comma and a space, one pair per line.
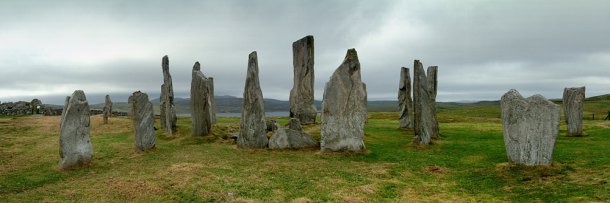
468, 164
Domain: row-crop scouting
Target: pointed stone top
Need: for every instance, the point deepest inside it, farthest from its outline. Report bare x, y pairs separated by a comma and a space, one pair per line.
197, 66
79, 95
351, 54
252, 55
165, 63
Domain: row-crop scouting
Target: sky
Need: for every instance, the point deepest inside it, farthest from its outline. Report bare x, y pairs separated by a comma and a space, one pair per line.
483, 48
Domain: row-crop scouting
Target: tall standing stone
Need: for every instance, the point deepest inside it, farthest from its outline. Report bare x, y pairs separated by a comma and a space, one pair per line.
212, 101
107, 111
573, 100
200, 102
252, 128
74, 141
302, 104
405, 102
166, 106
425, 123
143, 120
344, 110
530, 128
432, 77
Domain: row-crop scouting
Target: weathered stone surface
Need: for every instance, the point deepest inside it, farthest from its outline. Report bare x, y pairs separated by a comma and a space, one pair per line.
200, 102
301, 99
252, 128
212, 100
432, 77
271, 125
344, 108
425, 123
292, 137
573, 100
36, 105
74, 142
166, 106
405, 102
530, 128
107, 111
143, 120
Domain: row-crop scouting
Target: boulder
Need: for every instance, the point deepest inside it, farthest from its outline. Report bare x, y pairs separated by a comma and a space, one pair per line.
107, 111
166, 104
530, 128
143, 120
301, 99
344, 110
405, 102
252, 128
74, 139
292, 137
573, 100
200, 102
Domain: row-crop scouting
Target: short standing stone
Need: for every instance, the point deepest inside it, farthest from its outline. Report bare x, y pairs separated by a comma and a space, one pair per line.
74, 141
573, 99
166, 106
344, 108
252, 128
107, 112
302, 104
143, 120
292, 137
530, 128
405, 103
200, 102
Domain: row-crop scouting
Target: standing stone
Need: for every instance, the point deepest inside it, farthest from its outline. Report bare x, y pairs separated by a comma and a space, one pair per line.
107, 109
432, 77
573, 99
166, 106
405, 103
344, 108
212, 101
252, 128
36, 104
530, 128
74, 142
302, 104
291, 138
200, 102
143, 120
425, 123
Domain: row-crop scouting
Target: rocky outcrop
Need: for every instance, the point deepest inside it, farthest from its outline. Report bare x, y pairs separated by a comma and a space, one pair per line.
292, 137
74, 139
425, 124
200, 102
530, 128
166, 104
302, 104
107, 111
405, 102
143, 120
344, 110
252, 129
212, 101
573, 101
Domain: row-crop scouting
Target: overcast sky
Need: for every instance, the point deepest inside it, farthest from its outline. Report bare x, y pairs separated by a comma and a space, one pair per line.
483, 48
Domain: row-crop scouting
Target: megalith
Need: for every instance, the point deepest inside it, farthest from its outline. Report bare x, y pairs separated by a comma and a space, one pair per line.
405, 102
200, 102
292, 137
425, 124
573, 101
143, 120
166, 104
530, 128
432, 77
252, 128
301, 99
74, 141
36, 105
107, 111
344, 110
212, 100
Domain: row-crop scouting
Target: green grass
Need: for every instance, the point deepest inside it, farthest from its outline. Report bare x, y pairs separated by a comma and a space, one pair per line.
468, 164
